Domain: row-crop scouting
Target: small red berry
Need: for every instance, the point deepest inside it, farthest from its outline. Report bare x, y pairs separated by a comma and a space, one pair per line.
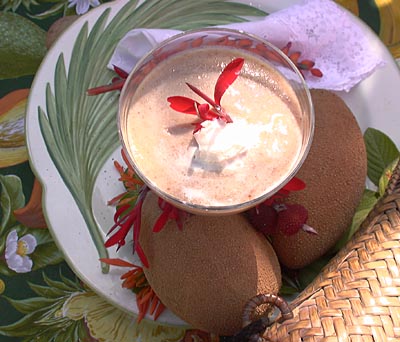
305, 64
264, 218
292, 219
316, 72
286, 48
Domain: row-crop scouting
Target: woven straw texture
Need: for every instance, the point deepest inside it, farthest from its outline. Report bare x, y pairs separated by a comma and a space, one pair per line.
357, 296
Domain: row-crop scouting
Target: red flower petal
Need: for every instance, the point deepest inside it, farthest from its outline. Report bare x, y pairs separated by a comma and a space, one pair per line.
116, 199
121, 73
162, 219
183, 104
295, 57
117, 85
202, 95
197, 126
205, 113
159, 311
295, 184
120, 235
120, 210
286, 48
316, 72
141, 255
227, 77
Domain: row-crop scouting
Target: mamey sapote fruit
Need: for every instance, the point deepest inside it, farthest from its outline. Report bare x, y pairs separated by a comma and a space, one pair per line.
335, 173
206, 272
12, 128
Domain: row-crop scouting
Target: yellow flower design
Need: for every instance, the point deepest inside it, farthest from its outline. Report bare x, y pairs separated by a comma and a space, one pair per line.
108, 324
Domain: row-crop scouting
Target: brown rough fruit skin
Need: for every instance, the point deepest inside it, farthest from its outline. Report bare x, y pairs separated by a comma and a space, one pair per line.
334, 172
206, 272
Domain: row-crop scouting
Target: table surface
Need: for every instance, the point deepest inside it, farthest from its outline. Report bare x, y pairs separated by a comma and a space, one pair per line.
49, 303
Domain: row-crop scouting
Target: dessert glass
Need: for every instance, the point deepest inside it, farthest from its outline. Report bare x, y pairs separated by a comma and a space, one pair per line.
247, 166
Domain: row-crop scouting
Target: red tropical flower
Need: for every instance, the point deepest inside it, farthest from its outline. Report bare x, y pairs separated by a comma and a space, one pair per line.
128, 214
187, 105
169, 213
128, 217
117, 83
135, 280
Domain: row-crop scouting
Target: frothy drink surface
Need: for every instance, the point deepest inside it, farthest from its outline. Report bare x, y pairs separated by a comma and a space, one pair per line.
223, 164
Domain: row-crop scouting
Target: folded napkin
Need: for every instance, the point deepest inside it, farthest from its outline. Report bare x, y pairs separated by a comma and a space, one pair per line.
320, 29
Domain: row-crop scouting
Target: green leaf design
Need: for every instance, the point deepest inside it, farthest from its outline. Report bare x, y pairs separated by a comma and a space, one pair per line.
5, 270
43, 319
28, 305
367, 202
13, 5
53, 10
5, 202
46, 254
11, 198
81, 132
64, 284
47, 291
22, 327
381, 151
22, 46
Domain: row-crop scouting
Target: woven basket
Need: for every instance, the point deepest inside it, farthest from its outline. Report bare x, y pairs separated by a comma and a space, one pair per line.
356, 297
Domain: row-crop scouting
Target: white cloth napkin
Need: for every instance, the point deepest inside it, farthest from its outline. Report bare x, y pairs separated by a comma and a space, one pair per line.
320, 29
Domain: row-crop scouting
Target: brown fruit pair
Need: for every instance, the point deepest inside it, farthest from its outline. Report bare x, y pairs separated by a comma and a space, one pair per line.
206, 272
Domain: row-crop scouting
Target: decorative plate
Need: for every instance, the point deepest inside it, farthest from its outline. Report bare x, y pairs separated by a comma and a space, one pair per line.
73, 138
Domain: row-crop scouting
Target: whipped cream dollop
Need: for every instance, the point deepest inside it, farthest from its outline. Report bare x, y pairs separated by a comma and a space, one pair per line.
222, 145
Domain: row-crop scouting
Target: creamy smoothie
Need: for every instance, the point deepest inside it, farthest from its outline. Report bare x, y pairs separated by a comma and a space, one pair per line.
223, 163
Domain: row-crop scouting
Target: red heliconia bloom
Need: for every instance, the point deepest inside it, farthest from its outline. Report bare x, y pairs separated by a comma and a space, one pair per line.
187, 105
117, 83
128, 214
129, 217
135, 280
303, 65
169, 212
131, 181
